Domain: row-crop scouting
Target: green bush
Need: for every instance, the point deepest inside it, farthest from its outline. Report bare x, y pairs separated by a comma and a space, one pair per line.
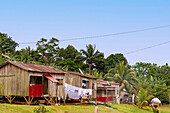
147, 108
41, 109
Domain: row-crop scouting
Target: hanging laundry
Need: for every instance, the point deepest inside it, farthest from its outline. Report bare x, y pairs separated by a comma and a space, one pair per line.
76, 92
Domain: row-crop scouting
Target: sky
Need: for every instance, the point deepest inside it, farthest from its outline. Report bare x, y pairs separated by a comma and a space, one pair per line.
31, 20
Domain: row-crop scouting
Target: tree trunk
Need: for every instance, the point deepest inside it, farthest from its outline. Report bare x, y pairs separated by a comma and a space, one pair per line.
90, 69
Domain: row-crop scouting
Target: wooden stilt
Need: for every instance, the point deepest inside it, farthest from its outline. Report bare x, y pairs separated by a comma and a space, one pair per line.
26, 100
49, 100
56, 92
29, 101
64, 101
10, 99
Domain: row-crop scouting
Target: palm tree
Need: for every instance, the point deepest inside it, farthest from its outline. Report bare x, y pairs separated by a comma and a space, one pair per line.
98, 74
124, 75
90, 56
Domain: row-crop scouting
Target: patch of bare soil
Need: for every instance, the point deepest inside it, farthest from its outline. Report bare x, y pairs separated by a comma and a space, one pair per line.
71, 104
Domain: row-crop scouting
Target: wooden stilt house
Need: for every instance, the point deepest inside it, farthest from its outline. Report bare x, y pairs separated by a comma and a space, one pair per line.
34, 80
27, 80
107, 91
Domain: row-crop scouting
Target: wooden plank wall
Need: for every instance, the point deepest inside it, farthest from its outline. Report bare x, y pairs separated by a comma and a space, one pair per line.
94, 90
52, 86
76, 80
15, 81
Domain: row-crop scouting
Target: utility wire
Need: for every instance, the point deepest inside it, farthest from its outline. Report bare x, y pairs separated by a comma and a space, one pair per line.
27, 43
121, 33
106, 35
149, 47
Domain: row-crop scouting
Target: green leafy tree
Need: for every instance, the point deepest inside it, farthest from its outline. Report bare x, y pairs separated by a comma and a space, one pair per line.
112, 60
7, 44
68, 52
142, 70
91, 56
154, 79
48, 50
66, 58
2, 60
26, 55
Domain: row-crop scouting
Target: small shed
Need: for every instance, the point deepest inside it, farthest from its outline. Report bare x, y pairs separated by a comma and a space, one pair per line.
107, 91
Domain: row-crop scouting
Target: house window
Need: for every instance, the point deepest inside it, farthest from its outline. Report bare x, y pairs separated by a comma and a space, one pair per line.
60, 81
35, 80
85, 84
104, 92
93, 85
99, 91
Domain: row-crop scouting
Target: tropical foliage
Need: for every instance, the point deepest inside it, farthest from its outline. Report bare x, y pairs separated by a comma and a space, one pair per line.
91, 56
124, 75
142, 97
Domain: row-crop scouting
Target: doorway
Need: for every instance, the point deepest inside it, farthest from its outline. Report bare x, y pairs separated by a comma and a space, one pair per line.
45, 91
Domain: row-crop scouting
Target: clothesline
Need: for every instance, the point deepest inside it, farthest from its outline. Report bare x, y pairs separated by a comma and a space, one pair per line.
74, 92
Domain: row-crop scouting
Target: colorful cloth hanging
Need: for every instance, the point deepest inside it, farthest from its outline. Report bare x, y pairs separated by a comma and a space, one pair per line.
74, 92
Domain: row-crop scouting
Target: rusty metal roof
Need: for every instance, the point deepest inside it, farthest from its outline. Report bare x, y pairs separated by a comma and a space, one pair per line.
76, 73
105, 82
105, 86
36, 67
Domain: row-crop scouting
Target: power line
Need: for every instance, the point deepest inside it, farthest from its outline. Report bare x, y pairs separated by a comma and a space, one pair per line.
121, 33
149, 47
27, 42
106, 35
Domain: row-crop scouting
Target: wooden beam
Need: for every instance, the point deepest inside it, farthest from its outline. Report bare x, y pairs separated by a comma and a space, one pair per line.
10, 99
8, 75
46, 100
56, 92
29, 101
26, 100
13, 98
49, 100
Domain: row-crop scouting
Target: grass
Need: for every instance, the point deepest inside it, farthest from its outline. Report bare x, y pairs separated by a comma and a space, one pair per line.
121, 108
12, 108
86, 109
125, 108
167, 105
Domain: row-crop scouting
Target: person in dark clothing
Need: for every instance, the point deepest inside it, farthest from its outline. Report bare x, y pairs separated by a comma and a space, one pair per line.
154, 109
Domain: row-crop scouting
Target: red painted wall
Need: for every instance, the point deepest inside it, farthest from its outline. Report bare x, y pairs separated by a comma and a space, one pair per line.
35, 90
103, 99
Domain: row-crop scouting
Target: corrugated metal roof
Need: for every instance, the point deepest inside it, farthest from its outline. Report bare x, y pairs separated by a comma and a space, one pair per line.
36, 67
51, 78
43, 68
105, 82
76, 73
105, 86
